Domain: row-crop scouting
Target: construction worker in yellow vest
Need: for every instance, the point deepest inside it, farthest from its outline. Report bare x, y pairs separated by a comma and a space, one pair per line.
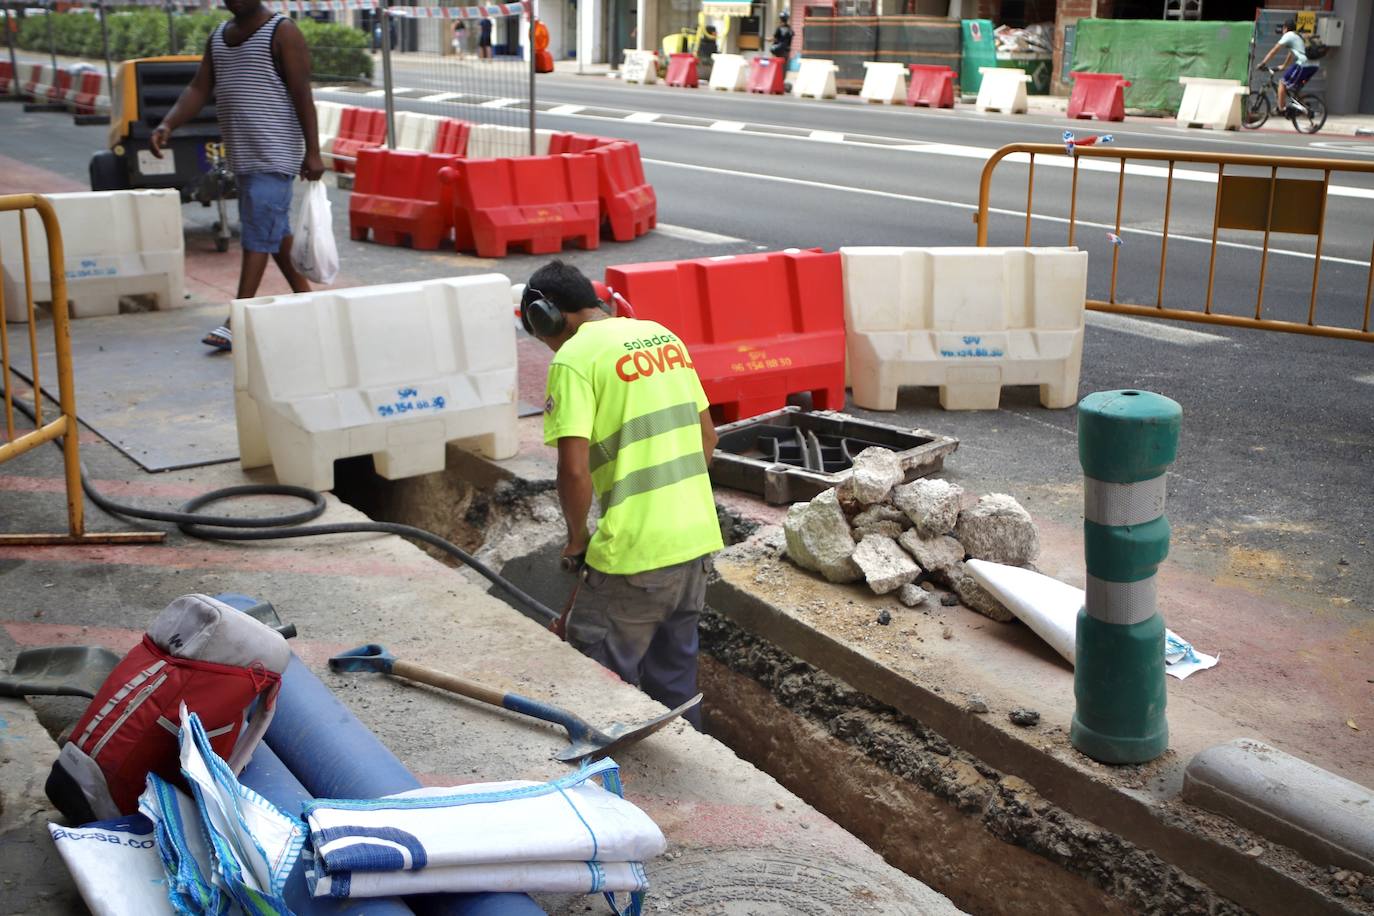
628, 416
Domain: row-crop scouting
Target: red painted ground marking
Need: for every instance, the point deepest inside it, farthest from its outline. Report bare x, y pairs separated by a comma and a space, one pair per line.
28, 634
17, 177
333, 562
115, 489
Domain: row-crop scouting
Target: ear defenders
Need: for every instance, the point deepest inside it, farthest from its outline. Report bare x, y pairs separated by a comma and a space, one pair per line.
540, 315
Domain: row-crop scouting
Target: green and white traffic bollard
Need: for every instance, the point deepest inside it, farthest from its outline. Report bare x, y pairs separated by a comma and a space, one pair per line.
1126, 442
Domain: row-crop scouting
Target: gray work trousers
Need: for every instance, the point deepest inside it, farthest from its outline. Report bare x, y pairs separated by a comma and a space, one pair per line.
644, 628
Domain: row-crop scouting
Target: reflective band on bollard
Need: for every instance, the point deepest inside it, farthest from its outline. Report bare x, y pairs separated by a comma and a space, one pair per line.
1126, 442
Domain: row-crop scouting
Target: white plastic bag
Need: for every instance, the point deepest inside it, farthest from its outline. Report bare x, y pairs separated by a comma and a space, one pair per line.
314, 253
115, 866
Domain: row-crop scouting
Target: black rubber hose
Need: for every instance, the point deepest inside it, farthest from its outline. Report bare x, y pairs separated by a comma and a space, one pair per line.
274, 527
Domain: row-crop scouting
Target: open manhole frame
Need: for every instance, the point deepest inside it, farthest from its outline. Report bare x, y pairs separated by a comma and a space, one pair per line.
919, 451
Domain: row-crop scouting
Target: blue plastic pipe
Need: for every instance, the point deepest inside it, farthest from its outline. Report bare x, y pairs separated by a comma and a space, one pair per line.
269, 777
336, 756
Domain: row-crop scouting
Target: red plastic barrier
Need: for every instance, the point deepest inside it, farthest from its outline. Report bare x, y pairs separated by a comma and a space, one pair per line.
359, 128
543, 62
6, 77
399, 197
759, 327
930, 85
766, 75
627, 199
1098, 95
682, 71
84, 97
533, 202
452, 138
61, 86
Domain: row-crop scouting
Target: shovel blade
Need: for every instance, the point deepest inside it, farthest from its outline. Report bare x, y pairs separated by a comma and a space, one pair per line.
64, 671
618, 737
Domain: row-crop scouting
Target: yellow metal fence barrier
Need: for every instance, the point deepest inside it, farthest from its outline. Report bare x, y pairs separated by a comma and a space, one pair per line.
64, 426
1258, 203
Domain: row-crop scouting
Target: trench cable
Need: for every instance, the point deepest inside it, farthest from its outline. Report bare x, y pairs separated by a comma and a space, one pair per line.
206, 527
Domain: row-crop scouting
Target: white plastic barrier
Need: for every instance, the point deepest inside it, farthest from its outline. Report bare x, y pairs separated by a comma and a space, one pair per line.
1211, 103
1003, 89
328, 117
815, 79
415, 131
884, 82
493, 141
395, 372
116, 243
969, 320
29, 78
729, 72
640, 67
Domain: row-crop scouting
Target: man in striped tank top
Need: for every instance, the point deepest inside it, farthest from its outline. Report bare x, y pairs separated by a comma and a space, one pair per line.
257, 68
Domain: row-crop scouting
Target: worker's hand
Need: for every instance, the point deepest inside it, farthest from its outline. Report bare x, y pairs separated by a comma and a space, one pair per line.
575, 553
313, 167
161, 135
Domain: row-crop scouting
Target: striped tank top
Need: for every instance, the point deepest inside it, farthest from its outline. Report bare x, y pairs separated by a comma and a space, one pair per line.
256, 117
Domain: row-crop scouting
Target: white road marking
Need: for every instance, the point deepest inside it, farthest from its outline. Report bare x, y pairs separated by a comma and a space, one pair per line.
1357, 147
686, 234
565, 109
1365, 379
498, 103
329, 88
440, 97
1167, 332
375, 93
912, 198
727, 125
642, 117
827, 136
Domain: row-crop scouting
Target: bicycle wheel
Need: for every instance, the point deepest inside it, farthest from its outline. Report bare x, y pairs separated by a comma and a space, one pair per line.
1257, 109
1311, 120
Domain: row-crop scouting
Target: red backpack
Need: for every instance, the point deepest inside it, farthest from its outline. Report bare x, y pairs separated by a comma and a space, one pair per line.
224, 665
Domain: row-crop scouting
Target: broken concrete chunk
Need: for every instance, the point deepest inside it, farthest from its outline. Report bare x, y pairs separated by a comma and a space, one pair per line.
931, 504
885, 565
976, 598
1024, 717
941, 556
818, 538
880, 519
875, 472
998, 530
912, 595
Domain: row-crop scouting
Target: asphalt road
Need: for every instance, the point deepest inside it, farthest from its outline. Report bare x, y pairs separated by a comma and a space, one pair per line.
1278, 436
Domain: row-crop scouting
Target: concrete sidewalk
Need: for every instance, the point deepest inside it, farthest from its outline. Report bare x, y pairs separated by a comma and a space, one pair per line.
737, 839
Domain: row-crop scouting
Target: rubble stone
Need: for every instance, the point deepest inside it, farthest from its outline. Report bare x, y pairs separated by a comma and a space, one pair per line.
885, 565
880, 519
976, 598
818, 538
912, 595
876, 471
999, 530
1024, 717
941, 556
931, 504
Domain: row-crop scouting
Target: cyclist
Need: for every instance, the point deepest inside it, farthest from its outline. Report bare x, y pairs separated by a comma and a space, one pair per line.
1296, 74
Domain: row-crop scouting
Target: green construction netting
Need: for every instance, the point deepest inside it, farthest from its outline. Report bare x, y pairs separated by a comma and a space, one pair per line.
1153, 54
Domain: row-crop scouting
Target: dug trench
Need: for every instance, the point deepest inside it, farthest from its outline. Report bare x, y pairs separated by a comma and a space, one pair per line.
984, 837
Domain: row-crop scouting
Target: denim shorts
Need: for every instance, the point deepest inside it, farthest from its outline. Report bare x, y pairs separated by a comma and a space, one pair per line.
264, 210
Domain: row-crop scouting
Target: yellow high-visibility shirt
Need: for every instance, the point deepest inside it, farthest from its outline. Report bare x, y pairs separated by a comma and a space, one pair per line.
629, 388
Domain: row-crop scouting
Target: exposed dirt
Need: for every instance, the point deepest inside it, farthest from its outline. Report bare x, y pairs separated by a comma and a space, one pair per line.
937, 786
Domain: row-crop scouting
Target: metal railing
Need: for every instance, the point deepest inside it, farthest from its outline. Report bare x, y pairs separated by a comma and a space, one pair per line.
1256, 203
65, 425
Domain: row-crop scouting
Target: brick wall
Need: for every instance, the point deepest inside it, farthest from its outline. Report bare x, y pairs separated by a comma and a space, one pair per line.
1069, 12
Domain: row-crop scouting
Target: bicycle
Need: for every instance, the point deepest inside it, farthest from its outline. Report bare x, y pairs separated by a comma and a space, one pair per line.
1307, 111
